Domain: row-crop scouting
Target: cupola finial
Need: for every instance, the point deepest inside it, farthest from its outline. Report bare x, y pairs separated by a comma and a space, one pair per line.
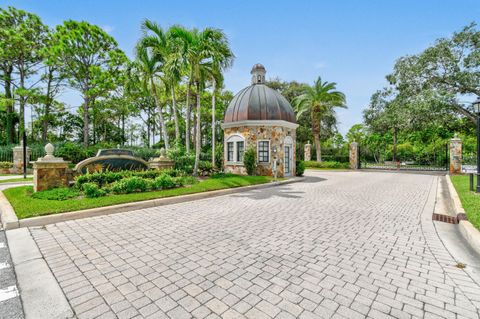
258, 74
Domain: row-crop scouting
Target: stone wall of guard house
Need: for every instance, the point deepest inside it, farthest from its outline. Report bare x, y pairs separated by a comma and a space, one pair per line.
252, 134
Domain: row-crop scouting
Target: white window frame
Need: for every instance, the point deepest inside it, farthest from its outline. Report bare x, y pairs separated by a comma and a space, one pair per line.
235, 138
269, 152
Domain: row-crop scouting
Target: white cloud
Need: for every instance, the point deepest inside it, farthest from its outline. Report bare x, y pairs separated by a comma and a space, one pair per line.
319, 65
108, 28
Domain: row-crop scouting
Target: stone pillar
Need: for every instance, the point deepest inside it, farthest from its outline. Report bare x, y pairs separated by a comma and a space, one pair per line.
308, 151
50, 171
455, 155
353, 155
162, 162
18, 157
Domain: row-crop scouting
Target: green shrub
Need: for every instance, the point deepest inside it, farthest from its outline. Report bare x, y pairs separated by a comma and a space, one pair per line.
6, 165
70, 151
250, 160
164, 182
130, 185
183, 161
299, 168
105, 178
91, 190
205, 167
326, 164
100, 178
63, 193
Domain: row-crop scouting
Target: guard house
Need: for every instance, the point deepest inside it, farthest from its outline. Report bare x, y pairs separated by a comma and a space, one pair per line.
260, 117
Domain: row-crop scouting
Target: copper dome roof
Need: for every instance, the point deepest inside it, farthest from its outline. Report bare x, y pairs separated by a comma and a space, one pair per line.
259, 102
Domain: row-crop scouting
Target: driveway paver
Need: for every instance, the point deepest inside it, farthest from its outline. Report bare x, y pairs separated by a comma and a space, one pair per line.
340, 244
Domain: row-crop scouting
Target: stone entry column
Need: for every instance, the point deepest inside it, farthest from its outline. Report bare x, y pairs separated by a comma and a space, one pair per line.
50, 171
308, 151
353, 155
456, 155
18, 157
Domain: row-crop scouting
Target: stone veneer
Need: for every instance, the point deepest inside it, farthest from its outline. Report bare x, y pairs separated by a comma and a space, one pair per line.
455, 156
275, 134
353, 155
49, 175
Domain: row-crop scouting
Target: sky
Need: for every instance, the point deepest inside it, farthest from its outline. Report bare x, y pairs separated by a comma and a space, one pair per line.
351, 42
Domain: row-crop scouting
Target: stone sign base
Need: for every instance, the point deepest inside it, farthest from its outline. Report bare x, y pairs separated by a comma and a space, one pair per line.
49, 175
161, 165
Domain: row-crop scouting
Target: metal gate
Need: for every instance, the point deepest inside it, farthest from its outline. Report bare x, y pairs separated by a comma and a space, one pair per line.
436, 159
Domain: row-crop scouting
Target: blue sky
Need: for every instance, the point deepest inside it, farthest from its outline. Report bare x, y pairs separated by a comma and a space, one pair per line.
353, 43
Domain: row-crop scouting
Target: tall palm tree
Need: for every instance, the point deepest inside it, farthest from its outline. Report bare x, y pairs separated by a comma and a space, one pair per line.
202, 49
185, 44
222, 59
151, 55
319, 100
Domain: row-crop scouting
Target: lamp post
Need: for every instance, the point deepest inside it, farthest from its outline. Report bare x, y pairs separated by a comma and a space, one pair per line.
476, 108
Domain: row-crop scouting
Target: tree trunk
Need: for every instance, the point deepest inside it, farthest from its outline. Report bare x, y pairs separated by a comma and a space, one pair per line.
187, 120
175, 115
213, 122
48, 102
22, 102
160, 115
124, 139
85, 121
198, 137
394, 144
10, 111
149, 123
316, 136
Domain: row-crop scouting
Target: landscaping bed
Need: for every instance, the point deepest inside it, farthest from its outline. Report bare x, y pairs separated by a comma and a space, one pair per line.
102, 191
470, 200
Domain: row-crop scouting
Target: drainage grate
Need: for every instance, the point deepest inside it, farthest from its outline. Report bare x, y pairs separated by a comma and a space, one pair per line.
446, 218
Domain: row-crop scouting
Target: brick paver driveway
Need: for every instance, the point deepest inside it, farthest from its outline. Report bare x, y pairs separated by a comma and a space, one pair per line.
341, 244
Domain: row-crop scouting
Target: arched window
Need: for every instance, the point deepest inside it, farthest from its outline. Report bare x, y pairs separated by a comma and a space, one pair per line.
234, 149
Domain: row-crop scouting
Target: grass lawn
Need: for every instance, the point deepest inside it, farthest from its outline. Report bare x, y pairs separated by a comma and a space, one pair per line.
470, 200
21, 179
26, 206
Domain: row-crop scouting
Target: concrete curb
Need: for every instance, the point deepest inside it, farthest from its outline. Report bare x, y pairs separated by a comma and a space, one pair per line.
41, 295
469, 232
107, 210
7, 214
17, 183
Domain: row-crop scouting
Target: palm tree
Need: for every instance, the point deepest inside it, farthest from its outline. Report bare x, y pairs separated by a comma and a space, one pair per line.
151, 55
222, 58
198, 48
319, 100
185, 43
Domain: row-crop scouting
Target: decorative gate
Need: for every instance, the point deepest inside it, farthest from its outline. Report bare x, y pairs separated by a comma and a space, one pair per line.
435, 159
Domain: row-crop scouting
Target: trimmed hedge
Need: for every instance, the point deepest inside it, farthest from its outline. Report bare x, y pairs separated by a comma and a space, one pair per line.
327, 164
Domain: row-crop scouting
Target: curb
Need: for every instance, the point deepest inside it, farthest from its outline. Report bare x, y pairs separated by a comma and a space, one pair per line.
469, 232
41, 295
7, 214
11, 221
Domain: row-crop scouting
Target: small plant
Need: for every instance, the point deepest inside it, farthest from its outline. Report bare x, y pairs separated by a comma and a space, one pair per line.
91, 190
63, 193
300, 168
250, 160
